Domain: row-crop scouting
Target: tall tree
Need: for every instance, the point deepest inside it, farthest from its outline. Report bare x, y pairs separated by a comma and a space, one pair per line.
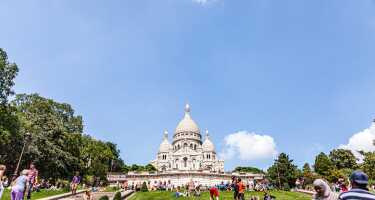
368, 165
283, 172
307, 174
343, 158
323, 165
55, 131
10, 136
8, 71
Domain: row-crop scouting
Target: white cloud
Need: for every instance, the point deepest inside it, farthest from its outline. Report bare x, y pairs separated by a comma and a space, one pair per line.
248, 146
362, 141
203, 1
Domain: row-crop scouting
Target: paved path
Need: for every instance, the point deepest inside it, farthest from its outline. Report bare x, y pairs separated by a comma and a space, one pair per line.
96, 195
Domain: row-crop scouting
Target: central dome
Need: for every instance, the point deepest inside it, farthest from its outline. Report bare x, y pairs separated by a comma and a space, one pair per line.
187, 124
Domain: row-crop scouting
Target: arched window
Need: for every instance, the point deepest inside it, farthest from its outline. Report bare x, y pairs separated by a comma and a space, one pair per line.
191, 145
185, 145
178, 146
185, 162
195, 147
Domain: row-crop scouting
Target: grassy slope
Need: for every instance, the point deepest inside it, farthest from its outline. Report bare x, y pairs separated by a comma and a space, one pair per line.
35, 195
223, 196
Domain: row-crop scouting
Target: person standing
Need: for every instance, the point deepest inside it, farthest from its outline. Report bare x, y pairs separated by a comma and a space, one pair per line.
234, 186
359, 182
75, 182
241, 190
323, 191
32, 178
19, 185
2, 172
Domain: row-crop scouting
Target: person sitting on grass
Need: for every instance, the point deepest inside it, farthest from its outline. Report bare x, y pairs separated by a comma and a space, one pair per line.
178, 193
214, 193
323, 191
88, 195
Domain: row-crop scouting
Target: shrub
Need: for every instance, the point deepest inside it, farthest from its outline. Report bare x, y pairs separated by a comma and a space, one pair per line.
88, 180
286, 187
144, 187
117, 196
104, 198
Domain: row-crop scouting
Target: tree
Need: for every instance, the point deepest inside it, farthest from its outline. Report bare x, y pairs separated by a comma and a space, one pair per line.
343, 158
368, 165
323, 165
249, 170
283, 172
10, 136
307, 174
8, 71
116, 163
58, 146
95, 157
144, 187
117, 196
55, 131
306, 169
149, 168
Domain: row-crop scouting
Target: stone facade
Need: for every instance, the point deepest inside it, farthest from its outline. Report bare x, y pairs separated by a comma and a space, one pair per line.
186, 159
187, 152
175, 178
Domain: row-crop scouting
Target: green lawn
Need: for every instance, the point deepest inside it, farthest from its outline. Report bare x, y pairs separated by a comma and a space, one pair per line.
223, 196
35, 195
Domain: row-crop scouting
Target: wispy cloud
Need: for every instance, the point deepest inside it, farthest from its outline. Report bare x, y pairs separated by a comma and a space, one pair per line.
248, 146
203, 1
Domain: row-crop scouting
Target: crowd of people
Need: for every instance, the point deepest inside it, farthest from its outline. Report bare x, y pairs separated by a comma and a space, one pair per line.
23, 185
356, 187
359, 189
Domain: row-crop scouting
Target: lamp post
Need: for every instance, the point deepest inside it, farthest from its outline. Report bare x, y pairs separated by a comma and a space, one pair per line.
25, 141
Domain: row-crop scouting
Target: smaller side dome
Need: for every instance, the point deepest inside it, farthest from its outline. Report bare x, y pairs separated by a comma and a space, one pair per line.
207, 144
165, 146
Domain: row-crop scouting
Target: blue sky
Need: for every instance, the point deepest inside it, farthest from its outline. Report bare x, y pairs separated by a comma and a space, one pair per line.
301, 72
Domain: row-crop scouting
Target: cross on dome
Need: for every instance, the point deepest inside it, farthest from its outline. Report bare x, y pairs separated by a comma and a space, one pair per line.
165, 134
187, 108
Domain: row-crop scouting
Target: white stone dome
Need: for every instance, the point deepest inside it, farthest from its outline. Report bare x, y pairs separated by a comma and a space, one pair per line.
207, 144
165, 146
187, 124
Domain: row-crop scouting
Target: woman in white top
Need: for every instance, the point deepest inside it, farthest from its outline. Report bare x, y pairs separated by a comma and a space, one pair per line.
323, 191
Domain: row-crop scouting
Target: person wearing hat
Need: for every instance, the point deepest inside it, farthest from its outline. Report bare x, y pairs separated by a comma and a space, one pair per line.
359, 182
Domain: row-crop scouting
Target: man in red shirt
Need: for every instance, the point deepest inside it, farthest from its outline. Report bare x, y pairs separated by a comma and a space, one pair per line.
214, 193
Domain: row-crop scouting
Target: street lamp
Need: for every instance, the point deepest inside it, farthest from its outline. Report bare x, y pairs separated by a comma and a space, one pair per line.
25, 141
